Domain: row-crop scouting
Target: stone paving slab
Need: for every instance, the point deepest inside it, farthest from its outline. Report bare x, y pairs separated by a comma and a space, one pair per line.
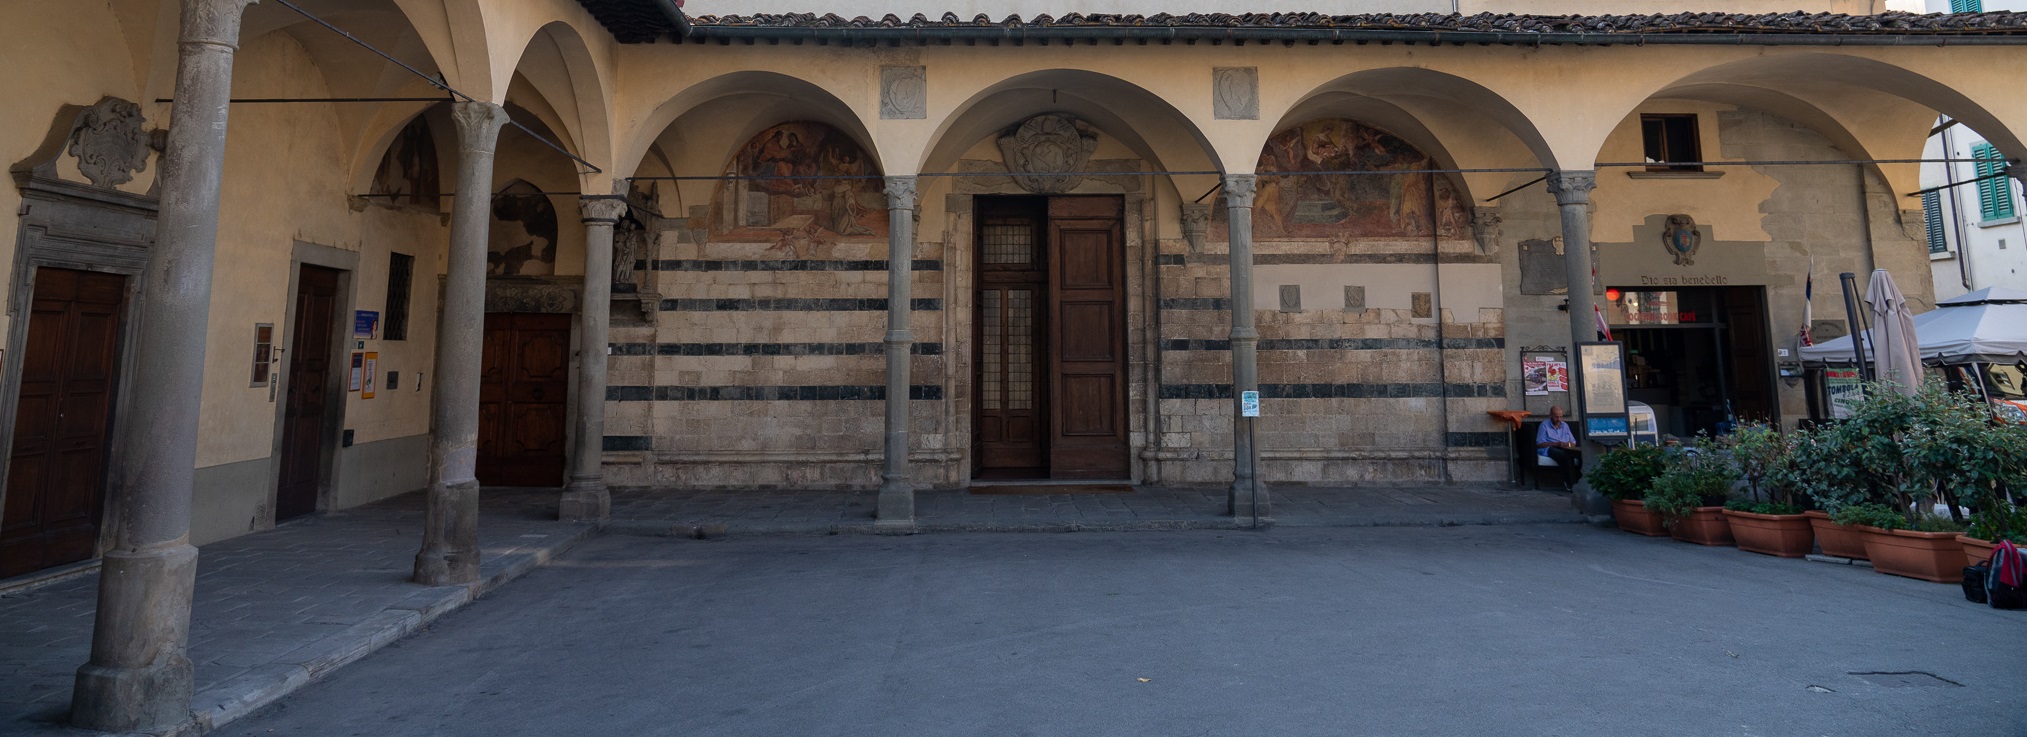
276, 610
687, 513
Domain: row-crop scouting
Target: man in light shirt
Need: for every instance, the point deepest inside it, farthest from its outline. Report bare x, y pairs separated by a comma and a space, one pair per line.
1555, 440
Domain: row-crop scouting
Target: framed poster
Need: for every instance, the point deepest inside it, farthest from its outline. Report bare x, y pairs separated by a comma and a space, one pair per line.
1844, 389
358, 372
1544, 374
372, 364
365, 323
1601, 372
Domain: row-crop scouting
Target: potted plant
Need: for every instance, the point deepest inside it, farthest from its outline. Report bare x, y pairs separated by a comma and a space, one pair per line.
1625, 475
1691, 493
1769, 521
1995, 521
1925, 547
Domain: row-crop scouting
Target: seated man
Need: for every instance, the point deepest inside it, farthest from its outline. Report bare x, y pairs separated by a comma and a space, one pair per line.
1556, 441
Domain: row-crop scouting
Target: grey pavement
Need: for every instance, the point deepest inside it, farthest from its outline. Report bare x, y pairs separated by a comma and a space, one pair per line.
276, 609
1487, 630
680, 512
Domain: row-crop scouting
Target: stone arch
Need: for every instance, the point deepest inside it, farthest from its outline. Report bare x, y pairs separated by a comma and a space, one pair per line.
557, 64
801, 186
763, 98
1141, 120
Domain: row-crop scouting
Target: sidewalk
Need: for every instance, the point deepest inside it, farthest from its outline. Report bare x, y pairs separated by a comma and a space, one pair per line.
713, 513
275, 610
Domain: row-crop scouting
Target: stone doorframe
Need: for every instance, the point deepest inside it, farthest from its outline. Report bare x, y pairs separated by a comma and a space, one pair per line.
346, 263
67, 225
1143, 340
561, 294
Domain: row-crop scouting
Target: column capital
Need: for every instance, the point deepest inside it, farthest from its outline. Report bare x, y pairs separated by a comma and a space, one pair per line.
1572, 187
214, 22
901, 193
602, 209
1240, 188
478, 123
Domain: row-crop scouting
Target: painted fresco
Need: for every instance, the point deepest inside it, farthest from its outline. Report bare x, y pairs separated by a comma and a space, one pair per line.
409, 172
798, 213
1351, 206
522, 240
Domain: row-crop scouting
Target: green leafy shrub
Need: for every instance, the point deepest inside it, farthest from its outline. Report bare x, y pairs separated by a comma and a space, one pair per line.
1748, 505
1999, 520
1870, 514
1627, 473
1765, 460
1933, 523
1695, 478
1907, 452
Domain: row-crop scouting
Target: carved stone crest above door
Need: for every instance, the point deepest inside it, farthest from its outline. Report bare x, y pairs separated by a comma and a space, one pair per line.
1681, 239
110, 143
1044, 149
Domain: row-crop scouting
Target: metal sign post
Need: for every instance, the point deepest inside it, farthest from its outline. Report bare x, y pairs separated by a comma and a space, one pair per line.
1249, 409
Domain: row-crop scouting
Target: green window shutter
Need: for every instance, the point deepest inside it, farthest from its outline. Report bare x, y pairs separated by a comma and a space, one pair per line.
1967, 6
1995, 195
1932, 215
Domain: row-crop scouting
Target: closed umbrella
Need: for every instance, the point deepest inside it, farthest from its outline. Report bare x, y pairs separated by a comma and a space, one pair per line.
1896, 351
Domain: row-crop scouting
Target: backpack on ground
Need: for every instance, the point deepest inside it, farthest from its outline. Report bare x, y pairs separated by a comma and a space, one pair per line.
2006, 579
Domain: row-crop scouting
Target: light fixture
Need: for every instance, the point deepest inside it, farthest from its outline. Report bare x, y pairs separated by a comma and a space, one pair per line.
1613, 293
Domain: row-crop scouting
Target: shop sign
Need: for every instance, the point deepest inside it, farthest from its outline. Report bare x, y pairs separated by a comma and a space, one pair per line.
1844, 390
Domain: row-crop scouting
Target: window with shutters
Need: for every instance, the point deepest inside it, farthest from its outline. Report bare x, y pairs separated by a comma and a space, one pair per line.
1967, 6
1932, 214
1671, 142
1995, 190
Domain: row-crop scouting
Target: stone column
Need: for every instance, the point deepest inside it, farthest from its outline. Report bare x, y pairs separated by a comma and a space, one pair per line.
1248, 496
586, 499
139, 675
1572, 190
450, 530
897, 492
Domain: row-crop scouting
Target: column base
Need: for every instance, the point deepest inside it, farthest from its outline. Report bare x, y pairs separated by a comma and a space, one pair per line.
585, 500
897, 503
1588, 501
1249, 501
450, 547
139, 678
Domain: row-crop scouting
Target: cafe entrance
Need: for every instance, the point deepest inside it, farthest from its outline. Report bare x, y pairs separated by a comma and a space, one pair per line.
1699, 356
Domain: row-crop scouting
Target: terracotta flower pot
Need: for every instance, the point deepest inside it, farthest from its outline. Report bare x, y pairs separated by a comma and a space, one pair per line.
1633, 516
1976, 551
1705, 526
1784, 535
1838, 540
1929, 556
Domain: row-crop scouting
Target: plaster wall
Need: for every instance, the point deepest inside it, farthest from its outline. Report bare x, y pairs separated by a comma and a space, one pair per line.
1982, 253
1031, 8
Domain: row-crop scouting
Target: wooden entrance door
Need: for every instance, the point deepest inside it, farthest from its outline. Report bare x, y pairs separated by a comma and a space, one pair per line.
310, 390
523, 399
1088, 288
1050, 398
69, 372
1011, 396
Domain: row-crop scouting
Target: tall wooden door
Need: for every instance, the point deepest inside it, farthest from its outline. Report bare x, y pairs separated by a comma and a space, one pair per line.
1011, 392
1751, 369
69, 371
1088, 424
523, 399
311, 376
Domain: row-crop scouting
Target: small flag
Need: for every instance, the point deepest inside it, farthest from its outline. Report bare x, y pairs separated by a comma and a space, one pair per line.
1808, 304
1604, 329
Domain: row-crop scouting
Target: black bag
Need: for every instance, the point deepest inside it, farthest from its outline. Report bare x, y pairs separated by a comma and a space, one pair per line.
1974, 583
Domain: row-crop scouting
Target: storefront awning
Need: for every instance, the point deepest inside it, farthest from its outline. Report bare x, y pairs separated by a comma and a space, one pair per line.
1985, 326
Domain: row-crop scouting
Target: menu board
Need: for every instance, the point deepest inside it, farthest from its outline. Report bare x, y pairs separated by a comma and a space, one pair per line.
1601, 367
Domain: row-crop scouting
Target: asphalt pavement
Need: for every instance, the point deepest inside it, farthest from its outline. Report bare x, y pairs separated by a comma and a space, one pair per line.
1501, 630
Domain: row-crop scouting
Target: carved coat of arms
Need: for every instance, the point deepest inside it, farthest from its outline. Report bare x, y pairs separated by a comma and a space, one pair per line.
109, 143
1046, 146
1681, 239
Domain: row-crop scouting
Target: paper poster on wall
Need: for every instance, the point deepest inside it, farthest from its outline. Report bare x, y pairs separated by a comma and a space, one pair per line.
1842, 387
366, 386
358, 371
365, 323
1544, 374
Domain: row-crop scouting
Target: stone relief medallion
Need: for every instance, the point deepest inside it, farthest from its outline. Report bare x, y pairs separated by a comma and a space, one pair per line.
109, 142
904, 93
1681, 239
1046, 147
1235, 93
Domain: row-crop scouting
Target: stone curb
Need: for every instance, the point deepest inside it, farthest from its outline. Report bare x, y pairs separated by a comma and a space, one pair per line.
246, 693
714, 529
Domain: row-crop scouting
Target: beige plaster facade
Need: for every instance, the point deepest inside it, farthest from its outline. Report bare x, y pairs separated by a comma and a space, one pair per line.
300, 187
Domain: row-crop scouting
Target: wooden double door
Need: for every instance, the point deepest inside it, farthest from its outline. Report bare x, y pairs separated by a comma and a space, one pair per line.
1050, 391
524, 396
56, 474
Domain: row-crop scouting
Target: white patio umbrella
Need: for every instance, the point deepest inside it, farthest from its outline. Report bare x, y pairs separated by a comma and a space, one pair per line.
1896, 352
